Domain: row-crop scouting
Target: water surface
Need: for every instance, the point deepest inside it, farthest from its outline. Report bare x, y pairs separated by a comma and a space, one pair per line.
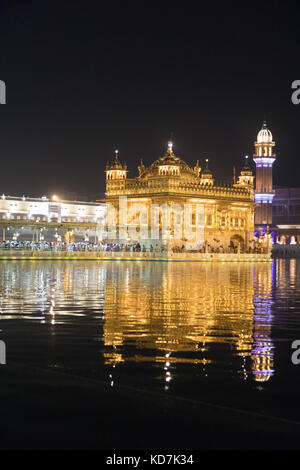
219, 332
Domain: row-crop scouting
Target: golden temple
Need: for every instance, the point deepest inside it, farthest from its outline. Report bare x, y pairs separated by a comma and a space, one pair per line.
228, 210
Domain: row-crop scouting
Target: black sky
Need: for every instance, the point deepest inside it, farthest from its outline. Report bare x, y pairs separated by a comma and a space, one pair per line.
83, 79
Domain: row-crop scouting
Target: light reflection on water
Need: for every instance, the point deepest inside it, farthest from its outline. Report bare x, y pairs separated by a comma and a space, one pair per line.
156, 322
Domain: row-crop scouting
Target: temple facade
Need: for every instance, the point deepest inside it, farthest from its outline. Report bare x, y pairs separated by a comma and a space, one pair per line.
224, 212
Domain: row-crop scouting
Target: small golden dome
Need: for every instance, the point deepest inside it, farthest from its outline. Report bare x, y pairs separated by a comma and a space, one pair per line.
246, 170
206, 173
116, 165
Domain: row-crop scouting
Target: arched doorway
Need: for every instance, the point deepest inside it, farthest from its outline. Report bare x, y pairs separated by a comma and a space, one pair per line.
282, 240
237, 242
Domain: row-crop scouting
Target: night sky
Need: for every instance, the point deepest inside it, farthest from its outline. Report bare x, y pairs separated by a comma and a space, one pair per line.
84, 79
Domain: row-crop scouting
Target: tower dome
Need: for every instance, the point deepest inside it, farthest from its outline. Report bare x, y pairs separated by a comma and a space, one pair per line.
264, 135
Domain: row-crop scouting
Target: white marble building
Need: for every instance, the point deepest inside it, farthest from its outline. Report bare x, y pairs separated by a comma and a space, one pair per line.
26, 215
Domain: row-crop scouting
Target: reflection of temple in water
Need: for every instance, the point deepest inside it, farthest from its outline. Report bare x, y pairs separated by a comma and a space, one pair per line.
183, 310
167, 313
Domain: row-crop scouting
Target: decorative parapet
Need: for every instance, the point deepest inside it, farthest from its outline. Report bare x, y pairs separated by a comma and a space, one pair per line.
175, 186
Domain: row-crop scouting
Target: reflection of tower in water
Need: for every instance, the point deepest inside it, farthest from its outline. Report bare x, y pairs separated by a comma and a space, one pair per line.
263, 347
216, 316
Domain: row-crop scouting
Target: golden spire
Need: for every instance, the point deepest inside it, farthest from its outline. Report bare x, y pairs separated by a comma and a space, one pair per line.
197, 168
117, 156
170, 147
141, 167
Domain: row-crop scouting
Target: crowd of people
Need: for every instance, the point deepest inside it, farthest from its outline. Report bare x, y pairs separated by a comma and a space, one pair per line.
79, 246
135, 247
119, 247
46, 246
84, 246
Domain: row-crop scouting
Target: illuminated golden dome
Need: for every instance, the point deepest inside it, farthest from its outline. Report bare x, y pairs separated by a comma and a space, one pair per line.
264, 135
116, 170
206, 173
169, 165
